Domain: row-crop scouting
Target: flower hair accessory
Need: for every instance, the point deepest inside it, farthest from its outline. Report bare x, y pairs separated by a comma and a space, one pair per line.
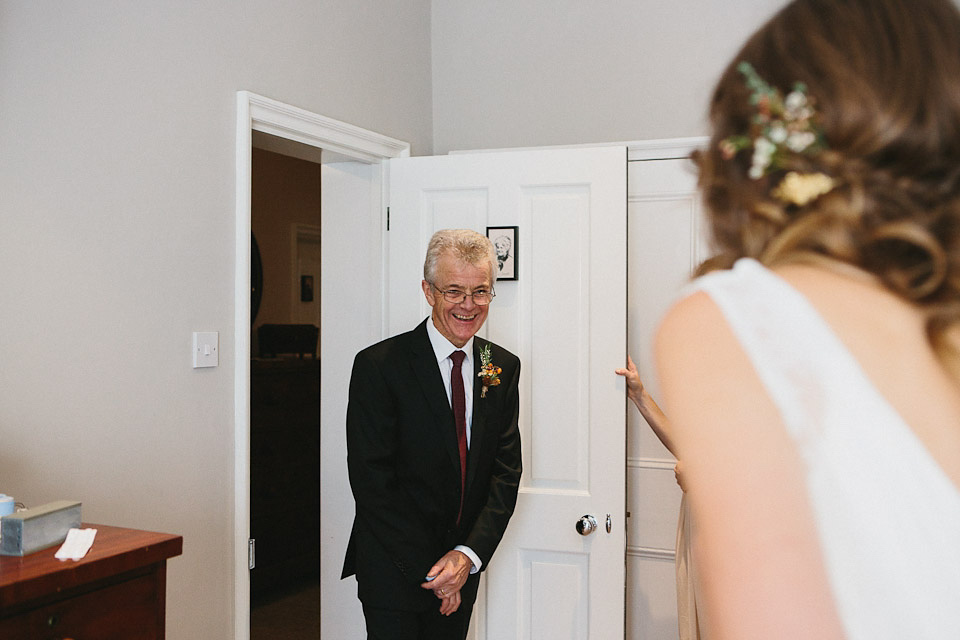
801, 188
781, 127
489, 373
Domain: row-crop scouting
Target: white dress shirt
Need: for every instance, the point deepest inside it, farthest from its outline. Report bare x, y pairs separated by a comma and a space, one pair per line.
442, 348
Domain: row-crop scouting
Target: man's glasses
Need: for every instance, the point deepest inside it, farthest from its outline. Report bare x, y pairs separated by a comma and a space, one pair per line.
481, 297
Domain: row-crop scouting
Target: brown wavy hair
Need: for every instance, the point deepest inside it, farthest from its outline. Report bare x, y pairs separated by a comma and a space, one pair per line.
885, 75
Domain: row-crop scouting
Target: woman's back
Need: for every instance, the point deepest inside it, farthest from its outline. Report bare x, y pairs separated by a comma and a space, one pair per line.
887, 338
828, 488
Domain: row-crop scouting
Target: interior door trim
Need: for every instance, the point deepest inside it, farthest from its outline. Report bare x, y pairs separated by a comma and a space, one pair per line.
258, 113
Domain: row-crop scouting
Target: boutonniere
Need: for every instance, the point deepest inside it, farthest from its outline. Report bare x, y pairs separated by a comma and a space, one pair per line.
489, 373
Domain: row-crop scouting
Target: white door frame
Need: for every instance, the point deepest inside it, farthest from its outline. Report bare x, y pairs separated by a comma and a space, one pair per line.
258, 113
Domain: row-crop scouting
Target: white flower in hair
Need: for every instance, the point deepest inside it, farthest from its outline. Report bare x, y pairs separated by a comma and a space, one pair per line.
778, 133
779, 128
796, 100
800, 140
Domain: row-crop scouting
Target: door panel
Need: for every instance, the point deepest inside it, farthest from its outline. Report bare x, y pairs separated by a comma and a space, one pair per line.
566, 319
350, 253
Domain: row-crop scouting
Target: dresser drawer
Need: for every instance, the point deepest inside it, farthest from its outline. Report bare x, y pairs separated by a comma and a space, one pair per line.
129, 610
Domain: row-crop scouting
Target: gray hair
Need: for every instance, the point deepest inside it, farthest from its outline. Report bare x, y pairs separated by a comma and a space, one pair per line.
466, 245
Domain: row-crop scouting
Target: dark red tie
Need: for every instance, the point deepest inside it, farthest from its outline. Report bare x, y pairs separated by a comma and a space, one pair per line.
460, 415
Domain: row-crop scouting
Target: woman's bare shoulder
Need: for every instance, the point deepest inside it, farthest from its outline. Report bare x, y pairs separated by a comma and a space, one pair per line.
694, 334
688, 317
706, 378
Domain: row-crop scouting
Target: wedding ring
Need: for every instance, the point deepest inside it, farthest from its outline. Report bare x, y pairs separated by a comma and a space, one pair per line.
441, 592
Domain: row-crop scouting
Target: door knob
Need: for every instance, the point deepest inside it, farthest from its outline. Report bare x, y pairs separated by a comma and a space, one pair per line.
586, 525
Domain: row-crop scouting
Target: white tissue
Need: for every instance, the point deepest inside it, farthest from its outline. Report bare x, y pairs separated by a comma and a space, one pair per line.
76, 545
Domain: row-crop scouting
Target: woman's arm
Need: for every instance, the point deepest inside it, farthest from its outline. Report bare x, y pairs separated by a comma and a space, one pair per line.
647, 406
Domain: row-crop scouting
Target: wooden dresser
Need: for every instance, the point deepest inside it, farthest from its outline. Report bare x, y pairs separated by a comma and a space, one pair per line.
117, 591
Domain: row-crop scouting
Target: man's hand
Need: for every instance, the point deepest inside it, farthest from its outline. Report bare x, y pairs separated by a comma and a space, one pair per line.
447, 577
450, 604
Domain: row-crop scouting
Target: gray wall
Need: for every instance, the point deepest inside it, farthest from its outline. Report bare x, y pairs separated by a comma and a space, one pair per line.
547, 72
117, 139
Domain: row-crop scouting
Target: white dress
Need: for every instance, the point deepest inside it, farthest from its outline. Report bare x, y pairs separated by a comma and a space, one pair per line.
887, 515
689, 613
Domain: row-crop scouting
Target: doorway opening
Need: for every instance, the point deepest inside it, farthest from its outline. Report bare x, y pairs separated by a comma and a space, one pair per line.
298, 132
285, 390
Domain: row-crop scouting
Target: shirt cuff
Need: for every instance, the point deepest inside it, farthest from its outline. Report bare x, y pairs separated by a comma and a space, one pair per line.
474, 558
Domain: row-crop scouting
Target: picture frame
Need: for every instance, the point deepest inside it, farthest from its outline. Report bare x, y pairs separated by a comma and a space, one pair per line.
306, 288
504, 240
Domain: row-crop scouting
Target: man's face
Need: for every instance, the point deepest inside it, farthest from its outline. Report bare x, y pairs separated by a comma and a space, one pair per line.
458, 322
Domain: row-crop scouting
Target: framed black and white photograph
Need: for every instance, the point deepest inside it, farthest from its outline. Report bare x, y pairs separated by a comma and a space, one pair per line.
306, 288
505, 242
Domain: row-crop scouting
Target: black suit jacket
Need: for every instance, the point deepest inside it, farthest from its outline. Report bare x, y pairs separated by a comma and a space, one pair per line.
404, 467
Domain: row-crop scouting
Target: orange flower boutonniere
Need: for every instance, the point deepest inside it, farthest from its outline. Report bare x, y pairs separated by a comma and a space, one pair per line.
489, 373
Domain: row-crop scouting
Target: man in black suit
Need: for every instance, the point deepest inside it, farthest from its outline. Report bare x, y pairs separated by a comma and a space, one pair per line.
418, 413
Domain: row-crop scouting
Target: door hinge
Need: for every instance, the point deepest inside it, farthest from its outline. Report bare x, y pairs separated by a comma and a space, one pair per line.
388, 218
251, 553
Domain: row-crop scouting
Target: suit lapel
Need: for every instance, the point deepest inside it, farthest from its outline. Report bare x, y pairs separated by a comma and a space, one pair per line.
423, 361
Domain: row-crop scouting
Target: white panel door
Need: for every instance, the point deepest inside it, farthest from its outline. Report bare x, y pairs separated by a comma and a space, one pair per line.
565, 317
665, 245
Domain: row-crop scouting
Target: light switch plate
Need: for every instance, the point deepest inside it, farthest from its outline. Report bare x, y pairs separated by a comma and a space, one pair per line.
206, 349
